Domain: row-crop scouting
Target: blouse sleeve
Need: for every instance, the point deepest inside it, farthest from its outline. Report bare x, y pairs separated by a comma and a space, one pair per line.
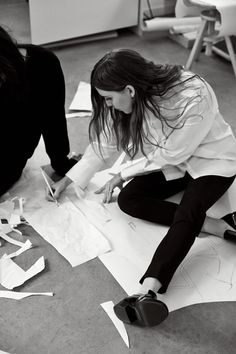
93, 160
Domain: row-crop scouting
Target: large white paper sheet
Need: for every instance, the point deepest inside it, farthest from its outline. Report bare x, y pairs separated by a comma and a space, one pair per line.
6, 209
65, 227
207, 274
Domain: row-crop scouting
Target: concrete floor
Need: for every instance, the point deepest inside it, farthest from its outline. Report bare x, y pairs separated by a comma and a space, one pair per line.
72, 321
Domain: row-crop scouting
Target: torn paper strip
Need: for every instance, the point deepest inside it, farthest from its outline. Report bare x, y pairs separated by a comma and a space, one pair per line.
78, 114
11, 212
18, 296
11, 275
25, 246
10, 239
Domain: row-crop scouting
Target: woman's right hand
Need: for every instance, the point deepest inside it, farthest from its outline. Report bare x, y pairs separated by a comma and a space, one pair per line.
58, 188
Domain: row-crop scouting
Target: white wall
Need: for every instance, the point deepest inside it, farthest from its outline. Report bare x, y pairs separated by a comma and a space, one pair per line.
56, 20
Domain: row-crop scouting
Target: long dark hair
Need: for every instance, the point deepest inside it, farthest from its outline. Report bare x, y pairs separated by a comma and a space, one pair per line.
12, 67
113, 72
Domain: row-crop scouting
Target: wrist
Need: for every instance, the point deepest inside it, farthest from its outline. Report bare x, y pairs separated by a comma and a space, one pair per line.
67, 181
121, 178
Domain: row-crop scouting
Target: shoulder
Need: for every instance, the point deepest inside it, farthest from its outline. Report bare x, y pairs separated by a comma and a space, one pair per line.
189, 101
190, 88
40, 54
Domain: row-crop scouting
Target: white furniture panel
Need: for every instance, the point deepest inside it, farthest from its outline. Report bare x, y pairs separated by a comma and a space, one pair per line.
57, 20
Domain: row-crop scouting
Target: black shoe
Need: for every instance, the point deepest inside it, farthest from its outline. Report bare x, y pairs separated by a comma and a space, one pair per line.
64, 165
142, 310
230, 235
230, 219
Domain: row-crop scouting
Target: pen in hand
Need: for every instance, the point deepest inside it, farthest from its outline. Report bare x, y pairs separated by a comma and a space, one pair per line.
49, 187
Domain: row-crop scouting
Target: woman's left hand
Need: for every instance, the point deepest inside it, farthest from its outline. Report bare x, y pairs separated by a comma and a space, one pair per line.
109, 187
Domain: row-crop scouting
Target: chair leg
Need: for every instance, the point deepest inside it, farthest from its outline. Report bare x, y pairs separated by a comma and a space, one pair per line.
197, 45
208, 40
231, 53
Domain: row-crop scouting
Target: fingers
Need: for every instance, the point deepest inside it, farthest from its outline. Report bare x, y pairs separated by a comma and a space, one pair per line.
100, 190
53, 194
48, 195
107, 189
56, 191
57, 188
108, 196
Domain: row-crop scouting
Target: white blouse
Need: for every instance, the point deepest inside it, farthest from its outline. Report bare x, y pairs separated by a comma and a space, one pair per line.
202, 143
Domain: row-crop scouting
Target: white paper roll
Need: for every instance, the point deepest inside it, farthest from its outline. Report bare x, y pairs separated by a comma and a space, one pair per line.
165, 23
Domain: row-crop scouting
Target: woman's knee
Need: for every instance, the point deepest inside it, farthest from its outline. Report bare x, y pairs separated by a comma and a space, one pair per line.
6, 182
123, 200
193, 213
127, 201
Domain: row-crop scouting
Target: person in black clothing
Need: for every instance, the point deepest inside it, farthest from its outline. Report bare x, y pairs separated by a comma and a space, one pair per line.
32, 99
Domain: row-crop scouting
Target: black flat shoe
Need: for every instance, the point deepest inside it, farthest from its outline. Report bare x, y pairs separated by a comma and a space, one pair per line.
141, 310
230, 219
230, 235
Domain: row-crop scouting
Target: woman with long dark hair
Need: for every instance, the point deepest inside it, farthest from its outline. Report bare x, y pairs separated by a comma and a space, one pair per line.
32, 98
169, 118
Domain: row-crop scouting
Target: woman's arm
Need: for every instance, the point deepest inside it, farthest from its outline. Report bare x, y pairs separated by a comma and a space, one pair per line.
94, 159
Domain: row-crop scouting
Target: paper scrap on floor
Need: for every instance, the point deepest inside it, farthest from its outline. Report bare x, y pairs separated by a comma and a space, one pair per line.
2, 352
78, 115
108, 308
16, 295
10, 218
207, 273
12, 275
82, 101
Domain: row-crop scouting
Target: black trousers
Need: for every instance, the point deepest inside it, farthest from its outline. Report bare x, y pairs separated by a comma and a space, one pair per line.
143, 197
40, 112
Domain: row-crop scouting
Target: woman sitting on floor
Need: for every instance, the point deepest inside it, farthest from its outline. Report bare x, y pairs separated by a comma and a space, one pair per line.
170, 116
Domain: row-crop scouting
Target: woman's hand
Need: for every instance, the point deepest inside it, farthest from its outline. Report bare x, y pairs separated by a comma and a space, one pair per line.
58, 188
109, 187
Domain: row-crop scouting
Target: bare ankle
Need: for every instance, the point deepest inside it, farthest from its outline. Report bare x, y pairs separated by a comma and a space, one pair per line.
150, 284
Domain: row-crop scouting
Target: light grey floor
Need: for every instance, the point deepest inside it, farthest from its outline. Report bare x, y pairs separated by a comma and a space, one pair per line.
72, 322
